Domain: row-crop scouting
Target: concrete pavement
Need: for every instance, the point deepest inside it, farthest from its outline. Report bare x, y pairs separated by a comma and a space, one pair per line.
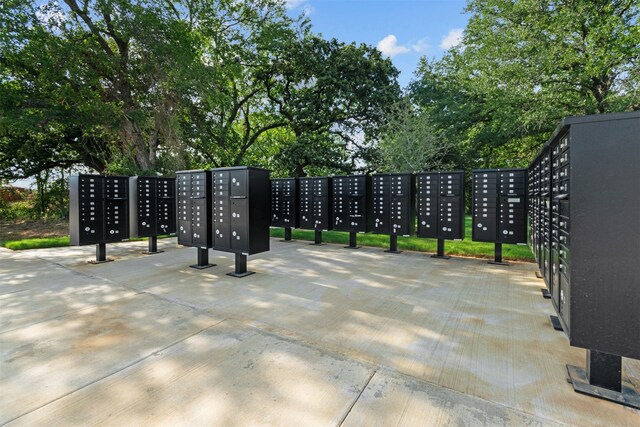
319, 336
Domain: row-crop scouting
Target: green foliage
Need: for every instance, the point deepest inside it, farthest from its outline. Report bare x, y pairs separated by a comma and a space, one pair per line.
525, 64
465, 247
147, 86
37, 243
410, 143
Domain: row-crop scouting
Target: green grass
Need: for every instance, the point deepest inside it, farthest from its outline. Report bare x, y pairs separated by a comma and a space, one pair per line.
37, 243
465, 247
52, 242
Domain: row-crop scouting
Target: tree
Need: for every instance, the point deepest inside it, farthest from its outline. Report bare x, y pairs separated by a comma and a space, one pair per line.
334, 97
410, 143
525, 64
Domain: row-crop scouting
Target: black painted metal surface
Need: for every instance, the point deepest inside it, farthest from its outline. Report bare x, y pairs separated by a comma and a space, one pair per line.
590, 258
194, 208
316, 203
499, 206
393, 204
98, 209
241, 207
440, 205
152, 206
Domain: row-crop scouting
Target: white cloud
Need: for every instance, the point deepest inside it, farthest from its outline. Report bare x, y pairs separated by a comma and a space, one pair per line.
420, 46
389, 46
452, 39
308, 10
292, 4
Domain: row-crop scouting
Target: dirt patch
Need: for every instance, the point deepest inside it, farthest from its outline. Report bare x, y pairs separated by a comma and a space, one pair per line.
17, 230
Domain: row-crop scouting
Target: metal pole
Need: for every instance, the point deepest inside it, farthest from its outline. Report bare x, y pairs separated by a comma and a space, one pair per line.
393, 244
240, 267
353, 240
153, 244
203, 259
287, 234
317, 238
497, 256
440, 253
101, 252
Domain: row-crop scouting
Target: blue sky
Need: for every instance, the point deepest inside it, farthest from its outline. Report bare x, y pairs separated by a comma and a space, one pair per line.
404, 30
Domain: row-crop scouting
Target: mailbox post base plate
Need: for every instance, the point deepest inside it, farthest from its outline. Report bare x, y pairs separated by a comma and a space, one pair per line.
627, 397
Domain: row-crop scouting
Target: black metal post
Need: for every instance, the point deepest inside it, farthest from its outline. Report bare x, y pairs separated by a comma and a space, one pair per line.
317, 238
241, 267
604, 370
353, 241
393, 244
101, 254
497, 257
287, 234
440, 253
203, 259
153, 246
603, 379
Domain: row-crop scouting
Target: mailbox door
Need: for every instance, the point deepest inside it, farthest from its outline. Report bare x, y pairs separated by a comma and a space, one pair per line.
239, 225
238, 182
449, 218
91, 221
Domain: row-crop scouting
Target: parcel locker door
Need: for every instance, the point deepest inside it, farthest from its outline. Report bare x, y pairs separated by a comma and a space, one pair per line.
512, 220
199, 222
357, 220
399, 215
427, 215
449, 218
222, 222
91, 221
116, 227
238, 182
239, 225
166, 219
185, 236
380, 201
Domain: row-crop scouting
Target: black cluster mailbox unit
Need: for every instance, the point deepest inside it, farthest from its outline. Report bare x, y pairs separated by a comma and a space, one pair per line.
284, 205
241, 213
152, 208
440, 207
352, 205
393, 206
586, 242
98, 211
194, 213
499, 212
316, 205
